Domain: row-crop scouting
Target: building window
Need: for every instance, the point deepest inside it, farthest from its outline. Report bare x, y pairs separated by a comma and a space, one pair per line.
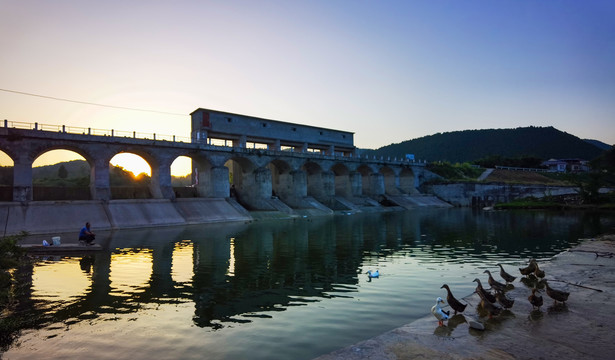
321, 133
264, 125
294, 129
228, 119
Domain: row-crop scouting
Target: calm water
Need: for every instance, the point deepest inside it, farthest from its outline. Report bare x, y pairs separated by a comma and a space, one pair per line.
274, 290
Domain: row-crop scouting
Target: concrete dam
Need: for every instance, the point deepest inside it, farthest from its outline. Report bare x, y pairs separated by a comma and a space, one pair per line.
242, 165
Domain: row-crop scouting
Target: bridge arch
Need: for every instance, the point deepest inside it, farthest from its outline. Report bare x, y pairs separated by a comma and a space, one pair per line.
61, 184
316, 181
281, 180
389, 180
6, 176
365, 172
240, 180
407, 181
342, 180
142, 185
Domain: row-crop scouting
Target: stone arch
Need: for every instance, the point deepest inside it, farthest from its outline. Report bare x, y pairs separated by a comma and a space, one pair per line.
238, 180
68, 181
342, 180
185, 169
281, 178
316, 184
365, 172
6, 176
140, 186
389, 179
407, 181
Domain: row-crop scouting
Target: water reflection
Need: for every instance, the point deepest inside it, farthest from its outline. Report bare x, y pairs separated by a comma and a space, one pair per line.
229, 275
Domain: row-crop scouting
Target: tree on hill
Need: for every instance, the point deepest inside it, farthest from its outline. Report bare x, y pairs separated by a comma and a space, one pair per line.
497, 160
471, 145
62, 172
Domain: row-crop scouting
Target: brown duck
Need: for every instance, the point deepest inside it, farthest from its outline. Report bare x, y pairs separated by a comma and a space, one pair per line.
452, 302
503, 300
528, 269
538, 272
535, 300
557, 295
506, 276
494, 283
484, 294
491, 308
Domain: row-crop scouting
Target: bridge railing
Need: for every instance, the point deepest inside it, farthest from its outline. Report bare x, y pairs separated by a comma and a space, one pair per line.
213, 143
93, 131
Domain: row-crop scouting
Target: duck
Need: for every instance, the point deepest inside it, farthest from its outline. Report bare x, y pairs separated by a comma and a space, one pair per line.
373, 274
538, 272
491, 308
503, 300
531, 281
484, 294
494, 283
455, 304
437, 311
535, 300
506, 276
528, 269
557, 295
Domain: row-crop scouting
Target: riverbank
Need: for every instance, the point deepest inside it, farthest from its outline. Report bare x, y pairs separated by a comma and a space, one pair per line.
581, 329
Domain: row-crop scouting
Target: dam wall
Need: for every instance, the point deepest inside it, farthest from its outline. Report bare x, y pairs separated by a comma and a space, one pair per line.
487, 194
47, 217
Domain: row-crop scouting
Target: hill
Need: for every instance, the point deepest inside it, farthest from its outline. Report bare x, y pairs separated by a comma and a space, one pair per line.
74, 169
471, 145
598, 143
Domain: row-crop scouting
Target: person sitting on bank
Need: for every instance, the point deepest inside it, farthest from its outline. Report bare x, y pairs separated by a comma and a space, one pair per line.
86, 234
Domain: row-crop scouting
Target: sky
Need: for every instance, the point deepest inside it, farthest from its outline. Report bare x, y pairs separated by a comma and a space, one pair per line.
389, 71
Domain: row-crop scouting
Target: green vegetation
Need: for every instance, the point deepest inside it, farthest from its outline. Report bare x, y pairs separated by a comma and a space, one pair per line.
471, 145
457, 171
11, 258
532, 203
589, 184
520, 161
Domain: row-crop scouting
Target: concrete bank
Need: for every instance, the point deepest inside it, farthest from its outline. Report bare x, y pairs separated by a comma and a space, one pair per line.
49, 217
583, 328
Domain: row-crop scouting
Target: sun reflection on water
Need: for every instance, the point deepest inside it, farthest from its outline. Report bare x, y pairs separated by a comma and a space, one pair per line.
130, 270
59, 280
183, 268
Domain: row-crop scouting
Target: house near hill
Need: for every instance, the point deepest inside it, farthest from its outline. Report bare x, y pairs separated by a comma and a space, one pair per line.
567, 165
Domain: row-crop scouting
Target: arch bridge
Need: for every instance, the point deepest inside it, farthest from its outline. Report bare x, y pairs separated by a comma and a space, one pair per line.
260, 169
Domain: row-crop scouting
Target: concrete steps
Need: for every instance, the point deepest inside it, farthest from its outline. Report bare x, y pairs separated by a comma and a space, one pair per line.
414, 201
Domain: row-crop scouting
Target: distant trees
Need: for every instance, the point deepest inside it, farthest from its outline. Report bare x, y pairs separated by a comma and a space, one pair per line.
497, 160
455, 171
6, 176
62, 172
470, 145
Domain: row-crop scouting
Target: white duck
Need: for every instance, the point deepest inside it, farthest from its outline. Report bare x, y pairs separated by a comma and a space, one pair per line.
373, 274
437, 311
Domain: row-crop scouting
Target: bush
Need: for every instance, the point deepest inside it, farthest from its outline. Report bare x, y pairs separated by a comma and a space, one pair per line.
457, 171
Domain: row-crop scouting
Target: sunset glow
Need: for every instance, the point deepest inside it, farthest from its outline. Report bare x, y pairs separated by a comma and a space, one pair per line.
388, 72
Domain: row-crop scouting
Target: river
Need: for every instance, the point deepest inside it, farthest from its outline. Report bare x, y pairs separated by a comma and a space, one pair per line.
283, 289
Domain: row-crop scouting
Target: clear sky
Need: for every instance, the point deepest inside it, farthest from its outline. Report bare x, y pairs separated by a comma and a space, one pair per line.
388, 71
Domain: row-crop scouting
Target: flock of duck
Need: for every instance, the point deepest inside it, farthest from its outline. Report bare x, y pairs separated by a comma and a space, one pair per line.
494, 300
